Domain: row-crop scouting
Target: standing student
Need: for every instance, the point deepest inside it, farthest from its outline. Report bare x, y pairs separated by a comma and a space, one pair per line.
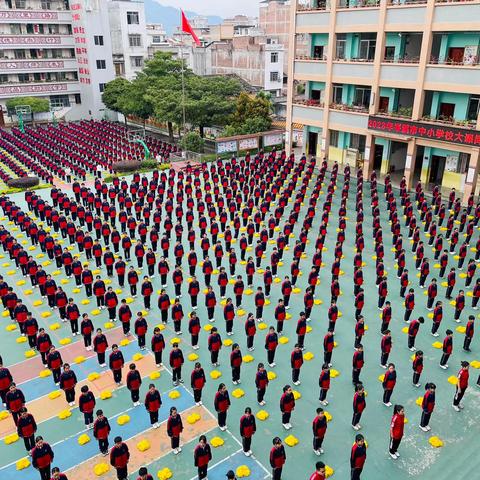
413, 328
176, 362
68, 380
86, 329
158, 345
388, 383
417, 366
214, 345
6, 380
197, 382
202, 456
100, 346
222, 404
55, 362
261, 382
86, 404
271, 343
469, 331
278, 458
359, 405
319, 427
386, 347
14, 401
134, 381
357, 364
396, 430
101, 430
428, 405
461, 387
447, 349
42, 458
174, 429
116, 363
236, 362
250, 331
153, 402
324, 383
287, 405
248, 428
141, 327
358, 457
119, 457
296, 362
26, 428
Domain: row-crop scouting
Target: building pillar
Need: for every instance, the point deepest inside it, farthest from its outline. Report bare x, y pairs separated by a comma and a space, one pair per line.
472, 174
410, 162
369, 156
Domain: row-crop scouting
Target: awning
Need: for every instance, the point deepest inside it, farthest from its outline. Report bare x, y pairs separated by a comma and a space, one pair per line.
283, 124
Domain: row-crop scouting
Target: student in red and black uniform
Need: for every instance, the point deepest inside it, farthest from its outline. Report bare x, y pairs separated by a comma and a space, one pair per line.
43, 345
174, 429
119, 457
396, 430
164, 305
287, 405
359, 405
428, 405
202, 455
197, 382
278, 457
55, 362
14, 401
459, 305
193, 291
235, 363
86, 404
229, 315
388, 383
116, 363
153, 402
31, 330
176, 362
319, 427
469, 331
324, 383
134, 381
386, 347
194, 329
68, 380
146, 292
158, 345
26, 428
447, 349
286, 291
461, 387
120, 267
111, 302
261, 382
357, 364
409, 304
42, 458
6, 380
476, 292
222, 404
101, 430
248, 428
141, 327
214, 345
358, 457
132, 279
301, 330
100, 346
296, 362
413, 328
359, 331
250, 331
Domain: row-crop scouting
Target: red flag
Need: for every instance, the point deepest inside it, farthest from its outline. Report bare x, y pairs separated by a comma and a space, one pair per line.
187, 28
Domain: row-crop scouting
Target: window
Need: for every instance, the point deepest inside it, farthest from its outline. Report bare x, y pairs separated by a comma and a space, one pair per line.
274, 77
362, 97
101, 65
19, 54
367, 49
3, 78
46, 5
135, 40
101, 87
473, 108
156, 39
78, 99
337, 93
98, 39
132, 18
136, 62
23, 77
59, 101
390, 53
340, 47
274, 57
463, 162
20, 4
334, 138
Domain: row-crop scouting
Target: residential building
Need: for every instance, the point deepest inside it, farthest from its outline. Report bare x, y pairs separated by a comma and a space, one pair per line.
390, 85
156, 38
58, 50
128, 33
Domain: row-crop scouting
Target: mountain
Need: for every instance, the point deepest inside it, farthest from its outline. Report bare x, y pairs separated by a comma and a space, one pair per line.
170, 16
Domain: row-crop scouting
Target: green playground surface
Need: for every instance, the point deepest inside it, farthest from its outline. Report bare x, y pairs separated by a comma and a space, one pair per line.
458, 431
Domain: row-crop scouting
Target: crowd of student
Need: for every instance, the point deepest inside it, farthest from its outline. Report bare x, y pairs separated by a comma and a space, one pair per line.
241, 201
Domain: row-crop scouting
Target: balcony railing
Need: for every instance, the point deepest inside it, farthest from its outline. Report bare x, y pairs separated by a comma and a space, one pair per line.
311, 58
404, 59
454, 1
404, 113
308, 6
354, 59
358, 3
471, 61
450, 121
397, 3
309, 102
349, 108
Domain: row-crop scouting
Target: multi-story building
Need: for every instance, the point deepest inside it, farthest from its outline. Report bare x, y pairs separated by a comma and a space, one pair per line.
391, 85
156, 38
55, 49
128, 34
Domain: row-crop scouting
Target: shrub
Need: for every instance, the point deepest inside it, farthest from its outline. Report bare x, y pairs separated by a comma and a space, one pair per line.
23, 182
149, 164
126, 166
193, 142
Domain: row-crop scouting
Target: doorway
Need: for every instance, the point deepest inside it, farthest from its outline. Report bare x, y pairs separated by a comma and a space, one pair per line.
456, 54
383, 104
437, 167
377, 157
446, 110
318, 52
312, 143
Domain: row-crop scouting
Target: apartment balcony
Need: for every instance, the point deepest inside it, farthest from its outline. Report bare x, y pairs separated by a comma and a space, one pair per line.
393, 71
355, 70
41, 41
312, 5
312, 19
358, 12
41, 16
406, 12
307, 112
403, 113
453, 78
38, 65
39, 88
352, 4
308, 68
345, 117
309, 102
450, 121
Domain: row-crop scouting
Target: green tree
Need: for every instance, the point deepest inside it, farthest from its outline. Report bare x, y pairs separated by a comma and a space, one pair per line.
37, 104
114, 92
193, 142
252, 114
135, 101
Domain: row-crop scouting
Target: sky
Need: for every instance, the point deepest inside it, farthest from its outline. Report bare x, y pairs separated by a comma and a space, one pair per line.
223, 8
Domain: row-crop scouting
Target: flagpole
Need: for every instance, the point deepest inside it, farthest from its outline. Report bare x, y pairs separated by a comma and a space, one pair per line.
183, 86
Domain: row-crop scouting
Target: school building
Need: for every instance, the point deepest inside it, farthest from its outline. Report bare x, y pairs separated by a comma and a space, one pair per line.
390, 85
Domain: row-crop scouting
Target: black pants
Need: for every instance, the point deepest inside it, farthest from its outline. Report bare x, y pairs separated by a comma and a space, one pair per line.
112, 313
194, 340
394, 443
88, 289
45, 472
214, 356
101, 358
317, 443
141, 341
286, 417
158, 357
250, 339
210, 312
387, 395
122, 473
56, 375
271, 356
356, 375
425, 419
29, 443
355, 473
466, 343
117, 376
384, 358
153, 417
246, 443
448, 293
164, 316
70, 395
88, 417
235, 374
175, 442
295, 374
194, 299
277, 474
197, 395
222, 418
356, 418
444, 359
416, 378
407, 315
459, 393
260, 394
411, 341
202, 472
135, 394
177, 374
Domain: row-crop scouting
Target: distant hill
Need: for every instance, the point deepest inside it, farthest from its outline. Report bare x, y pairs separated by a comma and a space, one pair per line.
170, 16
